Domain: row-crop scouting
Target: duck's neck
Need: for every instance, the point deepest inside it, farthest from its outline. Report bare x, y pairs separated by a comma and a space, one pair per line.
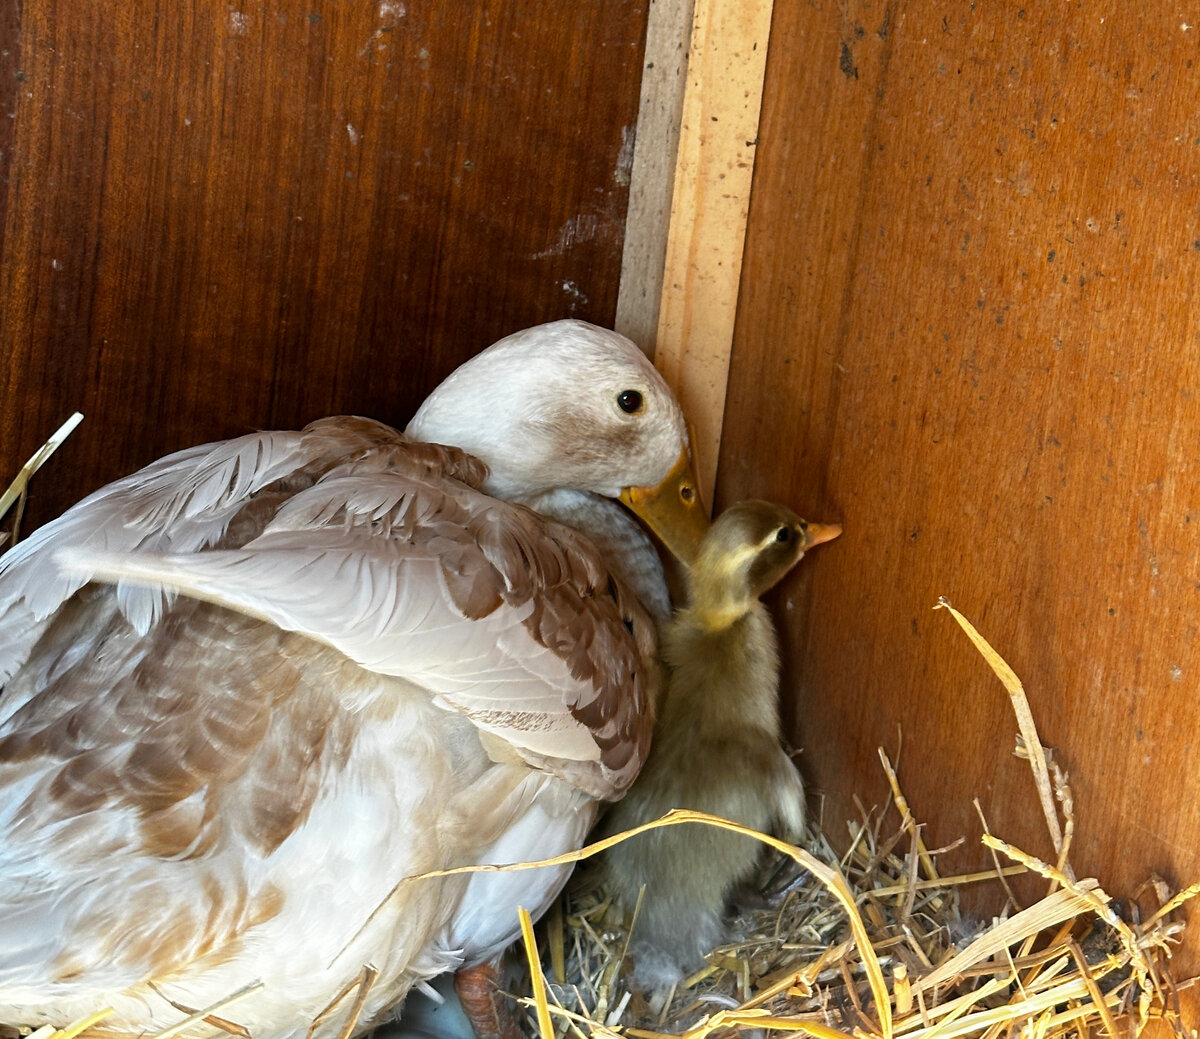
722, 674
625, 548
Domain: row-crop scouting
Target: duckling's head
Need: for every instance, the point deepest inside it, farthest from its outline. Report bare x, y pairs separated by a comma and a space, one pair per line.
749, 548
570, 405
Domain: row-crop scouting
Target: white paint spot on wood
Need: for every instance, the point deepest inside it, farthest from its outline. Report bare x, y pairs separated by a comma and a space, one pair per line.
576, 294
621, 175
582, 228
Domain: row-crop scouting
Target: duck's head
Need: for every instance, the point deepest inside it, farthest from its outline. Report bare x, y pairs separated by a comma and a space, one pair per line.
570, 405
749, 548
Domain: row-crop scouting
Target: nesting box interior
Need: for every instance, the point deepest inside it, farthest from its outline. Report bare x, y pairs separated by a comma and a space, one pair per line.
966, 328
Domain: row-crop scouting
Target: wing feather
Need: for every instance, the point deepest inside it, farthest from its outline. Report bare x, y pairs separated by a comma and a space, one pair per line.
411, 572
184, 502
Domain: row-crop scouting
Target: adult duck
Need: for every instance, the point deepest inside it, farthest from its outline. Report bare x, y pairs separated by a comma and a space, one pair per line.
251, 689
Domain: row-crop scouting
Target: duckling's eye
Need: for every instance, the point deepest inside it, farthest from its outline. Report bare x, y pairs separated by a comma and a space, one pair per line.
783, 535
629, 401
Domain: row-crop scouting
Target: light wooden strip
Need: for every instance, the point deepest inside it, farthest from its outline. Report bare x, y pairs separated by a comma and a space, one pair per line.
652, 176
709, 208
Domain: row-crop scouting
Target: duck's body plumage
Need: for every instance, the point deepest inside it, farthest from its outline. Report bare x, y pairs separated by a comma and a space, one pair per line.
252, 688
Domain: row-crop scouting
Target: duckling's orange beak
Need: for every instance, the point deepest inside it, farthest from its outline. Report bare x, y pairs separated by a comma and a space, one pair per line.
819, 533
673, 510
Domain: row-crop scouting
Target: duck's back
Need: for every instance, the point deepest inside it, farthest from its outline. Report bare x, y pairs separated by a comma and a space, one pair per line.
200, 791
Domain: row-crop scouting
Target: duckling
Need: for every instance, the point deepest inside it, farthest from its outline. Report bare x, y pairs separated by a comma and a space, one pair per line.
716, 745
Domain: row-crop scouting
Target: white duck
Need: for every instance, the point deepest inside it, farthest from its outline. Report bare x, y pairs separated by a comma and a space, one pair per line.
375, 669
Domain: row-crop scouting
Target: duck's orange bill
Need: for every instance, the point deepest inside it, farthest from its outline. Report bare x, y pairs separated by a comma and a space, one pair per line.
673, 510
819, 533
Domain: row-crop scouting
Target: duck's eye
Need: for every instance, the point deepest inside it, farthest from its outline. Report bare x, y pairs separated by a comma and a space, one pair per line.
629, 401
783, 535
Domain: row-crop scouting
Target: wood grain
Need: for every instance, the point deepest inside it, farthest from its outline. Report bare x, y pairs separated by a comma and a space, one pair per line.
709, 207
652, 176
969, 329
221, 217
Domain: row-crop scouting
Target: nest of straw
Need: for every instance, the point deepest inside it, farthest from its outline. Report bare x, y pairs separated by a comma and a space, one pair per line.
872, 943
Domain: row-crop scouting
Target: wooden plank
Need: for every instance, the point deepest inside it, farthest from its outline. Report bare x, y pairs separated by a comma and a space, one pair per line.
12, 75
652, 178
969, 330
709, 207
227, 217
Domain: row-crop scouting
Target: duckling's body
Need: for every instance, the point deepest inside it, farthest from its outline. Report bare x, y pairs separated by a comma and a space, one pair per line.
716, 745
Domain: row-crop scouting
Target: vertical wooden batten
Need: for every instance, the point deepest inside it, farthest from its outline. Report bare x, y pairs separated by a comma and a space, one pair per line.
652, 177
709, 207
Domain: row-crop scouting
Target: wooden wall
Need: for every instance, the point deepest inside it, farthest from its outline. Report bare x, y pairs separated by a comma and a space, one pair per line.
969, 328
968, 325
216, 217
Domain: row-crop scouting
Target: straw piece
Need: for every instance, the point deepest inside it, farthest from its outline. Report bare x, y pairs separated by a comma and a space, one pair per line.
232, 1027
1098, 1001
558, 954
1058, 906
71, 1031
961, 880
365, 981
1012, 897
906, 817
782, 1024
901, 989
201, 1015
1016, 693
21, 480
1062, 792
1172, 904
545, 1025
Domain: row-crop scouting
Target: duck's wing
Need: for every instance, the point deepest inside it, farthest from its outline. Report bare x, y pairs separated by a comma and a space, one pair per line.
503, 615
213, 494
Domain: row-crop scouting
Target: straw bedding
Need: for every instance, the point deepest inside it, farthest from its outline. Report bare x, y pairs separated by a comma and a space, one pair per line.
872, 943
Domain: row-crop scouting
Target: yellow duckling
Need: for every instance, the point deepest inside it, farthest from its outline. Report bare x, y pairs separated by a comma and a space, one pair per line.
716, 745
